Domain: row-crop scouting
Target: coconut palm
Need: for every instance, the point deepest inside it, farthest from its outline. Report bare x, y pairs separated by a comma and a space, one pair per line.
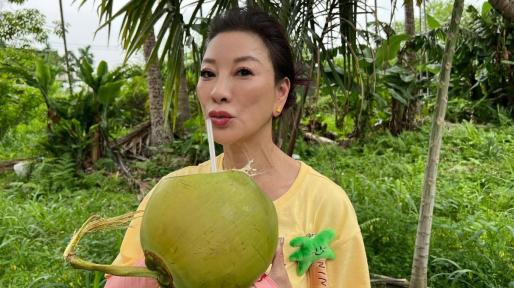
304, 20
134, 14
183, 98
160, 132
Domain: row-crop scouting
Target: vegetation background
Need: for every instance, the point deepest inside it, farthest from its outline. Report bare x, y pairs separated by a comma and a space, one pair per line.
92, 139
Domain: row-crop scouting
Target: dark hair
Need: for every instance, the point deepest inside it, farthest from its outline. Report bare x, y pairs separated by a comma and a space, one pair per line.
270, 31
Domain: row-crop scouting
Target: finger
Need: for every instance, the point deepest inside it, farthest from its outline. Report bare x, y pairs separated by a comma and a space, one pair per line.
278, 272
279, 253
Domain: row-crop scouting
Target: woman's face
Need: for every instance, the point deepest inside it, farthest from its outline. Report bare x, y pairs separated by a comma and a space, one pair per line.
237, 88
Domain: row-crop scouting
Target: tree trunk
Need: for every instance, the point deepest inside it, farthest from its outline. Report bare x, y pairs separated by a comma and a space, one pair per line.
505, 7
410, 27
183, 98
96, 143
347, 23
404, 116
68, 70
296, 122
160, 133
414, 107
396, 123
364, 112
421, 251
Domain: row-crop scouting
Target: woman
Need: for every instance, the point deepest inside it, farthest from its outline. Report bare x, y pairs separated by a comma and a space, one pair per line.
247, 79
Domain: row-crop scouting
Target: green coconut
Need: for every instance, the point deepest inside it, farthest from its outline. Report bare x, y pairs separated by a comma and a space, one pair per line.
209, 230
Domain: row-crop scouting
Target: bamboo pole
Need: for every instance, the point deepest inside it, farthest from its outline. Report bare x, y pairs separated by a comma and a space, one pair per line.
421, 252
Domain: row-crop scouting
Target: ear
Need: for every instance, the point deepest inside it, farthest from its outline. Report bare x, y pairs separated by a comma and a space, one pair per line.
281, 93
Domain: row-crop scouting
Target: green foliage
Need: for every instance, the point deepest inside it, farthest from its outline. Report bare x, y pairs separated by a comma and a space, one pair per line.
472, 234
484, 59
132, 104
481, 65
389, 49
88, 112
68, 137
398, 82
472, 231
195, 144
22, 27
40, 75
38, 217
21, 100
45, 77
440, 11
432, 22
191, 149
22, 140
18, 106
473, 227
66, 134
483, 110
29, 81
17, 1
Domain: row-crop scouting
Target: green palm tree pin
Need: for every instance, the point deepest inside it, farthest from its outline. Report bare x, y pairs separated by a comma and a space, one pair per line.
312, 248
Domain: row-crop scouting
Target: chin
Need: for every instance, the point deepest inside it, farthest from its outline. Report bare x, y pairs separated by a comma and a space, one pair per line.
227, 137
224, 138
234, 135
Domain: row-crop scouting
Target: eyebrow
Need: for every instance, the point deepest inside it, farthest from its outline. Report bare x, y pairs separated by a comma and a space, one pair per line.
237, 60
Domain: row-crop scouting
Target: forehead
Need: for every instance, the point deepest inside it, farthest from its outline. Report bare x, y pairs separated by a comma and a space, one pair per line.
227, 46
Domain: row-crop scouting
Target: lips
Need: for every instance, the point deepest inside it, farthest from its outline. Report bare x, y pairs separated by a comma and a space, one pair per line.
220, 118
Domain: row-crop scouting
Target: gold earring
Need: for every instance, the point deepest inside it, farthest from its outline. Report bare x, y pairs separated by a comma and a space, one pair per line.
278, 110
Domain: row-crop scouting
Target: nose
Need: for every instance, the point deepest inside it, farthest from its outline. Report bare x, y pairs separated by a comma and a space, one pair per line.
221, 90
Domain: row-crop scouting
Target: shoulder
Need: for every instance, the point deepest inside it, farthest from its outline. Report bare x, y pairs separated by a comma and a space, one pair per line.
188, 170
332, 206
203, 167
322, 187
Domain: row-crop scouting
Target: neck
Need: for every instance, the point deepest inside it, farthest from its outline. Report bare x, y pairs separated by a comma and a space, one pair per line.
259, 149
274, 171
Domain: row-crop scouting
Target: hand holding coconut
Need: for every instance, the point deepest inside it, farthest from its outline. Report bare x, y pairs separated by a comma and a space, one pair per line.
277, 278
278, 273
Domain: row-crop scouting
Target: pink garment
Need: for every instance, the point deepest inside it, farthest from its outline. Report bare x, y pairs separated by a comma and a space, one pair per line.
132, 282
265, 282
145, 282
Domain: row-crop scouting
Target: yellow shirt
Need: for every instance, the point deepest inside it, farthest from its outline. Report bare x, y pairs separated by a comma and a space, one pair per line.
313, 203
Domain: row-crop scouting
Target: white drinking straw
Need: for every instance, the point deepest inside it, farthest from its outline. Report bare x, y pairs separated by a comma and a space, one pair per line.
210, 139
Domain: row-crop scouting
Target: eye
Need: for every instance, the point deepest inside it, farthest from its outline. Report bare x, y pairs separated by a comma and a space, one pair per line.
244, 72
204, 73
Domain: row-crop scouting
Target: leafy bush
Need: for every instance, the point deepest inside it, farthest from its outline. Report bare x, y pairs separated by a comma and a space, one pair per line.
132, 105
472, 233
38, 217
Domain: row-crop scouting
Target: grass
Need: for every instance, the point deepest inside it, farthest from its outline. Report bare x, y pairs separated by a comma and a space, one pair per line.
38, 217
473, 229
23, 140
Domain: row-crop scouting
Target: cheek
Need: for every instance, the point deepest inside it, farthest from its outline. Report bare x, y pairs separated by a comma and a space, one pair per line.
202, 93
257, 96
